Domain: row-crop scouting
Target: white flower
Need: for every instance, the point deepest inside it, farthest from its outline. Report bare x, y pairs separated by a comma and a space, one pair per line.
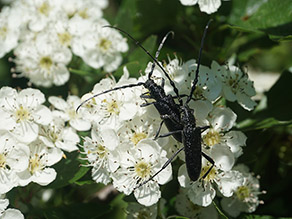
208, 6
9, 29
202, 193
236, 86
221, 120
23, 112
9, 213
188, 209
57, 135
100, 153
40, 160
101, 46
67, 112
113, 108
139, 128
42, 12
138, 165
43, 61
135, 211
245, 196
14, 158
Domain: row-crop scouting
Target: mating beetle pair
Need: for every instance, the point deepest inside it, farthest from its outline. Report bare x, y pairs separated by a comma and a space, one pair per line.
178, 117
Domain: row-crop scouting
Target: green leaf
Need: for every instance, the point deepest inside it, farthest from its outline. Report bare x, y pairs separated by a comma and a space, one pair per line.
271, 17
78, 210
133, 67
262, 124
68, 171
126, 15
140, 56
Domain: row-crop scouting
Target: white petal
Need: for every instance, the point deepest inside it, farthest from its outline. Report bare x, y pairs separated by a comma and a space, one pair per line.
223, 157
42, 115
209, 6
201, 195
189, 2
11, 213
148, 194
58, 103
229, 182
44, 177
110, 138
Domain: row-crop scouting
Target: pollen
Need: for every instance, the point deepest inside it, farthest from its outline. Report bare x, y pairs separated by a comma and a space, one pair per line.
143, 169
136, 137
242, 193
212, 138
3, 31
83, 14
44, 9
72, 113
46, 62
22, 114
65, 38
34, 164
101, 151
211, 175
105, 44
2, 161
112, 107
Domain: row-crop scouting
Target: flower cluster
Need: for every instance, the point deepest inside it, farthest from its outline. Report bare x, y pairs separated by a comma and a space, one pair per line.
45, 34
121, 148
33, 137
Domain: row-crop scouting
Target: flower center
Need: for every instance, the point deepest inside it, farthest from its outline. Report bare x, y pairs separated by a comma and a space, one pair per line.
72, 113
143, 169
101, 151
112, 106
2, 161
65, 38
212, 138
44, 9
34, 164
3, 31
211, 175
105, 44
136, 137
46, 62
242, 193
21, 114
83, 13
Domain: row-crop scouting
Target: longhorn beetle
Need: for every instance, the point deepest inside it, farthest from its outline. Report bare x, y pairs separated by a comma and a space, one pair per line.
165, 104
190, 133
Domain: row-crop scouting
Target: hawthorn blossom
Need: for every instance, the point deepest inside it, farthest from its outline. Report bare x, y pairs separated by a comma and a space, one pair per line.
113, 108
202, 191
207, 6
100, 46
56, 134
245, 197
10, 212
138, 165
236, 85
40, 160
66, 110
188, 209
22, 112
100, 153
14, 157
221, 120
43, 61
